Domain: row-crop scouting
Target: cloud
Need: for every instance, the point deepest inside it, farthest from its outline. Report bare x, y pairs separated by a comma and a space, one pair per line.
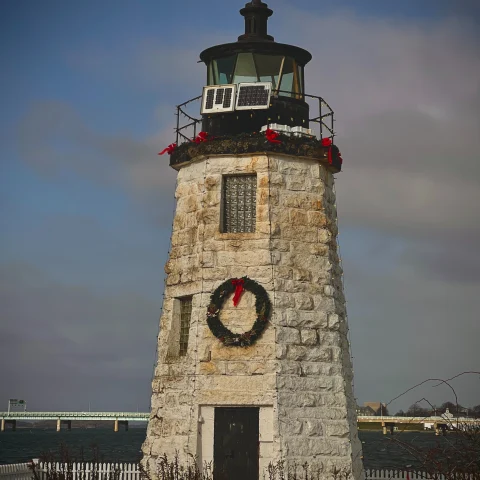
73, 338
53, 138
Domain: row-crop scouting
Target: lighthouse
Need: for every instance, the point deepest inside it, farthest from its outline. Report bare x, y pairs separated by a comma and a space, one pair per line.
253, 362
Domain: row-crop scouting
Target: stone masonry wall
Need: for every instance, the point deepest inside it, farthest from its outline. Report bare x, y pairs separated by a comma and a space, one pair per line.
301, 365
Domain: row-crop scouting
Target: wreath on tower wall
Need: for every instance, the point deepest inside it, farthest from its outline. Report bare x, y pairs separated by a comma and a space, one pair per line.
262, 308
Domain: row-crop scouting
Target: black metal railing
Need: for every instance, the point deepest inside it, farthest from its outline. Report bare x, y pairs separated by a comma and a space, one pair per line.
188, 125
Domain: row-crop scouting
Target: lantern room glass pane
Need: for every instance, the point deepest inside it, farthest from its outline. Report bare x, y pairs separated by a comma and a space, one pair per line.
288, 77
239, 203
223, 70
268, 68
245, 70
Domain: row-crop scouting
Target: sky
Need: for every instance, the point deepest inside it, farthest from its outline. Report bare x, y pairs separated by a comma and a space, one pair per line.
88, 94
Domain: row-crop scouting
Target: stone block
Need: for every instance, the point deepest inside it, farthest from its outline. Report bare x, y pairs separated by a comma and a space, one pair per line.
337, 429
277, 180
263, 196
295, 182
312, 428
317, 368
284, 300
329, 290
213, 182
314, 185
303, 301
309, 337
283, 272
317, 219
216, 273
287, 335
208, 216
292, 167
292, 427
207, 259
302, 275
324, 304
308, 447
324, 236
288, 367
211, 368
301, 352
237, 368
334, 321
298, 217
187, 204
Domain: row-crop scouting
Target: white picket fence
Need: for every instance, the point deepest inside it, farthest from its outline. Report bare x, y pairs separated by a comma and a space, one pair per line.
131, 471
15, 471
73, 471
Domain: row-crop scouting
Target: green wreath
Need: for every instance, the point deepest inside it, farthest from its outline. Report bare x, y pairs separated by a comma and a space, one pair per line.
262, 308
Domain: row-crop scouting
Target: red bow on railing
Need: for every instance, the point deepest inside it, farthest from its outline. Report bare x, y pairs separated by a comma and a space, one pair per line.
201, 137
238, 284
272, 135
169, 149
327, 142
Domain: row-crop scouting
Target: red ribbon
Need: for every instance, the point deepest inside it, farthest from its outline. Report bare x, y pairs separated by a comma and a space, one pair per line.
201, 137
169, 149
327, 142
272, 136
238, 284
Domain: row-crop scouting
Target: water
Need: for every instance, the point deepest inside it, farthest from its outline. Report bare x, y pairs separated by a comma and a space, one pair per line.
379, 450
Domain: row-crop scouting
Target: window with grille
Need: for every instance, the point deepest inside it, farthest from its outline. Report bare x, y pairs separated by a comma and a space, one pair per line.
239, 203
185, 316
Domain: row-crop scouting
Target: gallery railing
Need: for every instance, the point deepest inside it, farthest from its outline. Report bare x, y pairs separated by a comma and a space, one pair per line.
188, 125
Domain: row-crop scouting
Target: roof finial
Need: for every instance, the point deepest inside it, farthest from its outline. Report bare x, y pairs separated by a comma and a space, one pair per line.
256, 15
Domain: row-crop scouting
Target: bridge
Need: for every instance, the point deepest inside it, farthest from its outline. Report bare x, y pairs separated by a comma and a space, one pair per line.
66, 418
439, 424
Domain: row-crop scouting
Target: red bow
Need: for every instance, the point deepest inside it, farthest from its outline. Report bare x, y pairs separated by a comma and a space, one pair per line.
327, 142
238, 284
169, 149
201, 137
272, 136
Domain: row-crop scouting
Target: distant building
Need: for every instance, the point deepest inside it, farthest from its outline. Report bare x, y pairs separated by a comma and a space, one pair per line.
378, 408
365, 411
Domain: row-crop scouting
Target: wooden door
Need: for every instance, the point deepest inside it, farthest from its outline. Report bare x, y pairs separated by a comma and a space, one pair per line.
235, 443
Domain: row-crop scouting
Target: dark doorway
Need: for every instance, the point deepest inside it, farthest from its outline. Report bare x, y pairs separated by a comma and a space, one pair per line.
235, 443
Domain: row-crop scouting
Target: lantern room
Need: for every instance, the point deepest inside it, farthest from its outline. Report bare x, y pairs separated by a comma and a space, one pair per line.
254, 81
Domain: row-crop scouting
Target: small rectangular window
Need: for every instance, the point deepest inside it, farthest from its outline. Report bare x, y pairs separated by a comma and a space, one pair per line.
185, 317
239, 203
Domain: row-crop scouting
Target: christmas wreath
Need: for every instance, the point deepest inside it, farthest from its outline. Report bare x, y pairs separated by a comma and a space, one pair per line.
262, 308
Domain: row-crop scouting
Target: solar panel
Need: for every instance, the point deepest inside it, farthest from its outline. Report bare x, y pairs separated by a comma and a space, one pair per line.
253, 96
218, 98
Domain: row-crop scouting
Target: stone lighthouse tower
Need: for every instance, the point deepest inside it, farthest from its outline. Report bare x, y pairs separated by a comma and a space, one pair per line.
253, 358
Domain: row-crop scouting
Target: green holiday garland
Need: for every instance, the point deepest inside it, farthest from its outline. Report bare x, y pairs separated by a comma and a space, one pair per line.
254, 142
262, 308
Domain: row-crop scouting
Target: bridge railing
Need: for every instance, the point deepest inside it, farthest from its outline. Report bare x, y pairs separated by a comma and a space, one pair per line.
109, 415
